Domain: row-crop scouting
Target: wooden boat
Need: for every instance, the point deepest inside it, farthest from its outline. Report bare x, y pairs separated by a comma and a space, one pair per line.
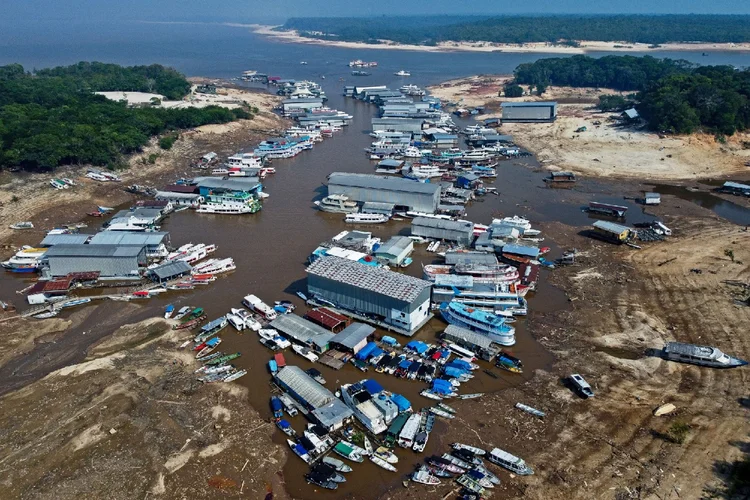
470, 484
529, 409
473, 449
356, 448
386, 455
212, 356
489, 475
326, 470
235, 375
336, 464
322, 481
382, 463
490, 373
285, 427
423, 477
190, 324
457, 461
437, 471
299, 450
467, 456
22, 225
445, 407
445, 464
347, 452
224, 359
508, 362
431, 395
368, 446
471, 396
441, 413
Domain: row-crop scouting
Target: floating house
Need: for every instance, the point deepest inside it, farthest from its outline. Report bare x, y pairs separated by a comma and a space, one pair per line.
155, 242
403, 302
444, 230
169, 271
323, 407
330, 320
396, 250
529, 112
402, 193
609, 231
479, 344
302, 331
353, 338
112, 262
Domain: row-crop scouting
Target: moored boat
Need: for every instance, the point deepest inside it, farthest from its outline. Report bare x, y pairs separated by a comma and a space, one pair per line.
347, 452
700, 355
360, 218
423, 477
382, 463
337, 203
337, 464
442, 413
473, 449
510, 462
299, 450
322, 481
386, 455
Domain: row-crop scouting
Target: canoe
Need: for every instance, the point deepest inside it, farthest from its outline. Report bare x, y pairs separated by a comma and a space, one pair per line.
473, 449
234, 376
529, 409
337, 464
664, 409
442, 413
224, 359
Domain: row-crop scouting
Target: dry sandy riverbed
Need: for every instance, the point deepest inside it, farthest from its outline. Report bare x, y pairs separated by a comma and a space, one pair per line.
585, 46
605, 149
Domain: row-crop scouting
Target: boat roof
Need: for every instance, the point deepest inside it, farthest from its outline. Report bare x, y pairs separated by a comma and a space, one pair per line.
700, 351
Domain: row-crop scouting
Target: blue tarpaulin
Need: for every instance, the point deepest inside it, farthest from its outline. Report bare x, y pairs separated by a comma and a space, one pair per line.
366, 350
417, 346
284, 424
441, 386
389, 341
402, 403
444, 353
376, 352
460, 363
372, 386
404, 364
453, 371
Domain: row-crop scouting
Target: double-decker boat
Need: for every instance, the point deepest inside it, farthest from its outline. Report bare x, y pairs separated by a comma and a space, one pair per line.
479, 321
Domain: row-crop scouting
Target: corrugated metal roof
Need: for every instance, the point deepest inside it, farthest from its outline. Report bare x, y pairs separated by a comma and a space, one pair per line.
388, 162
451, 225
171, 269
353, 335
140, 212
375, 279
304, 386
64, 239
326, 317
376, 205
128, 238
528, 104
610, 227
332, 414
631, 113
174, 195
128, 251
532, 252
382, 182
301, 329
455, 333
453, 258
457, 280
438, 137
234, 184
395, 245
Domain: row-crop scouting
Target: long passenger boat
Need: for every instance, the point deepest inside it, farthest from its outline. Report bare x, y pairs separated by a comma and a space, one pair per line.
479, 321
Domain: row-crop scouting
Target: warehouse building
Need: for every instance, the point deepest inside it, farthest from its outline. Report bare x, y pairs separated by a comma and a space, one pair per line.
353, 338
110, 261
304, 104
155, 242
403, 193
192, 200
303, 332
409, 125
477, 343
169, 271
325, 408
396, 250
135, 219
443, 230
403, 302
529, 112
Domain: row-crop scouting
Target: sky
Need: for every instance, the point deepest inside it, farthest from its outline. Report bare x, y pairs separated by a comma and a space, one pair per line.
276, 11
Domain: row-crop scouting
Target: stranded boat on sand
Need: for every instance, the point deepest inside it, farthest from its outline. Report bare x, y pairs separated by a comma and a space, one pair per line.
700, 355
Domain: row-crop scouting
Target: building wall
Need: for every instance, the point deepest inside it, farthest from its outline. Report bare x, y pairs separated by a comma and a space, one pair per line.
402, 314
528, 113
421, 202
109, 267
463, 237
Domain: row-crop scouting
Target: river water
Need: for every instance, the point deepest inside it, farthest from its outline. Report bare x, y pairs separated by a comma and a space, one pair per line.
270, 248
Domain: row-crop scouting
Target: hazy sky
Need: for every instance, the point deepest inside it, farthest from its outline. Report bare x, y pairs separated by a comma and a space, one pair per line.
278, 10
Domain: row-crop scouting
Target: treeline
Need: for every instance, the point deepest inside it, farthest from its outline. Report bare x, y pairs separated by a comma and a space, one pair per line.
673, 96
53, 118
616, 72
651, 29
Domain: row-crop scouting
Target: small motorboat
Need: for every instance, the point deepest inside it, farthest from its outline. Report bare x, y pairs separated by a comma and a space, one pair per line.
299, 450
285, 427
424, 477
168, 311
382, 463
473, 449
337, 464
182, 312
386, 455
322, 481
22, 225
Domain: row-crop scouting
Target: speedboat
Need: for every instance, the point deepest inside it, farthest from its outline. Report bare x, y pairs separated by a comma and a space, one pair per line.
402, 73
358, 218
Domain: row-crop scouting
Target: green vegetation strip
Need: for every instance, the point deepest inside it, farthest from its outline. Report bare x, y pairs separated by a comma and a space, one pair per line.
53, 117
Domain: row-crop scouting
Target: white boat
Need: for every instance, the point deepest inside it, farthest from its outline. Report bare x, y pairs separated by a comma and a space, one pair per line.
225, 208
358, 218
382, 463
237, 322
182, 312
260, 307
510, 462
420, 441
22, 225
356, 397
267, 333
402, 73
247, 319
409, 431
424, 172
305, 353
386, 455
97, 177
337, 203
26, 260
475, 450
431, 395
281, 342
299, 451
700, 355
523, 225
412, 152
337, 464
235, 375
529, 409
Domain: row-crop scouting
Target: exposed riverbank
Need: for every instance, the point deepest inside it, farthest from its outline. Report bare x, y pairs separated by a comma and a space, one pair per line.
585, 46
606, 148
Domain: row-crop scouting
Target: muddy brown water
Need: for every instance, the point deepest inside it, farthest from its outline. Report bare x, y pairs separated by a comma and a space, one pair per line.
270, 249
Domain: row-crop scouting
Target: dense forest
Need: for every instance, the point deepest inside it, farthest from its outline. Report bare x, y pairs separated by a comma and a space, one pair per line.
429, 30
673, 96
52, 117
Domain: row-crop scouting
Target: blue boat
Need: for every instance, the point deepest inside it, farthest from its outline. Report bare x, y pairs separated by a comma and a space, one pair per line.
277, 407
168, 311
273, 367
479, 321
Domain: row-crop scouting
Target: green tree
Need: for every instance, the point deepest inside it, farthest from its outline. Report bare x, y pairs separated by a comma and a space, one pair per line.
513, 90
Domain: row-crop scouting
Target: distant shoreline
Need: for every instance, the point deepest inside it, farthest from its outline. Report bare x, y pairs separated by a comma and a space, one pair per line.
537, 47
